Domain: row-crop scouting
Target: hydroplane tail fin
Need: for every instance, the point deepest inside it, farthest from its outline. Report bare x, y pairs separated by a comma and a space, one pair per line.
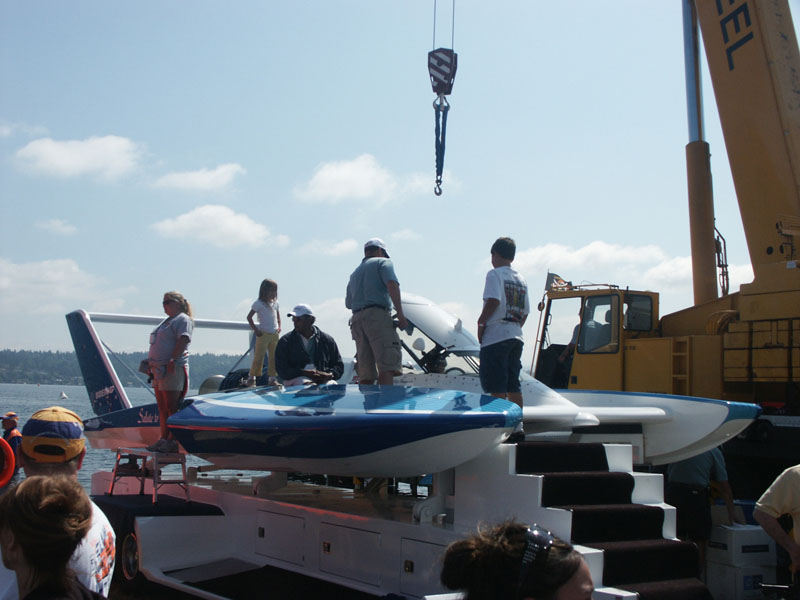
102, 383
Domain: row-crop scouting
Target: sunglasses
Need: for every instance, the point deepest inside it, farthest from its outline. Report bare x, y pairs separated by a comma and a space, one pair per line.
538, 542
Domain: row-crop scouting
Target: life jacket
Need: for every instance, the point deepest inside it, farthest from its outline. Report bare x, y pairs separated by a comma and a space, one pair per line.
13, 433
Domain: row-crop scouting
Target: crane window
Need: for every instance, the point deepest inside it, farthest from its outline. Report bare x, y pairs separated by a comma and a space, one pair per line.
638, 313
599, 331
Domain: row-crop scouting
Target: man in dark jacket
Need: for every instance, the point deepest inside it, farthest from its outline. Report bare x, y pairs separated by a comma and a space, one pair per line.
307, 355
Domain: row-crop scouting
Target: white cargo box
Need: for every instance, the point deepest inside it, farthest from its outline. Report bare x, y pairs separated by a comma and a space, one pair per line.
726, 582
740, 545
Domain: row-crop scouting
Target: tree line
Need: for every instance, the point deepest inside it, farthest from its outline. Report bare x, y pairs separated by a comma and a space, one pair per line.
47, 367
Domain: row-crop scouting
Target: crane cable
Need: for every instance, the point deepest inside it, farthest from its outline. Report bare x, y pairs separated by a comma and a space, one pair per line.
442, 64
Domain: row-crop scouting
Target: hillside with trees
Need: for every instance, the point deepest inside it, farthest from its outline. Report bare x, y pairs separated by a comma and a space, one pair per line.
32, 366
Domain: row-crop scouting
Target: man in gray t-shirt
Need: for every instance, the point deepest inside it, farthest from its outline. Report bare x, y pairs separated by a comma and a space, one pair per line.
372, 290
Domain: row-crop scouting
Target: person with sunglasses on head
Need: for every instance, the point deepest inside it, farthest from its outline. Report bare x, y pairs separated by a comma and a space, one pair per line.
169, 364
53, 446
512, 561
42, 522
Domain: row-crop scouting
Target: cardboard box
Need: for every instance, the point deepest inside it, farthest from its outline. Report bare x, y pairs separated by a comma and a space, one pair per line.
740, 545
726, 582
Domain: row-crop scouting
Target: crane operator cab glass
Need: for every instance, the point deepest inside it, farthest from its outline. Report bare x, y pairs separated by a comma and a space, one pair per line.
583, 335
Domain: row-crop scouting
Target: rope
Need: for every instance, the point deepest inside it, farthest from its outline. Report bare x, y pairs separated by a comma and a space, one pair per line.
441, 108
452, 25
442, 65
136, 376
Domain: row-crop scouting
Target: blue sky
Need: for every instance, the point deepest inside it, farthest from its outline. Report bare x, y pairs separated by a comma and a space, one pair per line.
202, 146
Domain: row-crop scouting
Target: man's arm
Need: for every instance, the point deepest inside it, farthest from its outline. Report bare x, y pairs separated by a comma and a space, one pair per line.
489, 306
328, 360
776, 532
282, 363
394, 293
336, 364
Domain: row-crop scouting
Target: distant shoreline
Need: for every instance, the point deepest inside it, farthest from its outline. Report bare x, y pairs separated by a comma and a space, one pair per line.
61, 368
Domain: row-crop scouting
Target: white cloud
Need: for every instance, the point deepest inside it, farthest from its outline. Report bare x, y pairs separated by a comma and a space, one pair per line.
219, 226
360, 179
405, 235
330, 248
108, 157
364, 180
58, 226
646, 267
332, 318
8, 129
202, 179
54, 287
740, 274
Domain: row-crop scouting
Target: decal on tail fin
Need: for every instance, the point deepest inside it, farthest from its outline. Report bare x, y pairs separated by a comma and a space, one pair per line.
105, 390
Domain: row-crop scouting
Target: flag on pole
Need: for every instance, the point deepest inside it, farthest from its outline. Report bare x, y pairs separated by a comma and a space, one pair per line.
556, 282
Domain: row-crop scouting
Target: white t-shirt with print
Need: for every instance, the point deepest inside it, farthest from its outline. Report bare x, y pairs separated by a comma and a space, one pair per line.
509, 287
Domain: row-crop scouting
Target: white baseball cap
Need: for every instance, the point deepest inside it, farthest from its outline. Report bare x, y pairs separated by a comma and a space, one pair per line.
376, 243
301, 310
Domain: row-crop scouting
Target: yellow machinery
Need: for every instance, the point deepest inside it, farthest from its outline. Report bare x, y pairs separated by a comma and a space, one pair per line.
742, 346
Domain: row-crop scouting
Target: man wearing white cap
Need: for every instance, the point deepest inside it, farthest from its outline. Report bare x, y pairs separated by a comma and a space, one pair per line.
372, 290
306, 354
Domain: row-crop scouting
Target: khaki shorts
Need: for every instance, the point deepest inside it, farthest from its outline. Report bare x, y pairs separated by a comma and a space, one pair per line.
377, 343
171, 383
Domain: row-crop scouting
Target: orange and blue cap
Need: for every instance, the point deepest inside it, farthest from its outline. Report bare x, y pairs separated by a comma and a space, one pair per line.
11, 415
53, 435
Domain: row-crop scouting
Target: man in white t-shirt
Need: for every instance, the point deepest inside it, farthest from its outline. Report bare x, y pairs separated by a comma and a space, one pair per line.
53, 444
505, 309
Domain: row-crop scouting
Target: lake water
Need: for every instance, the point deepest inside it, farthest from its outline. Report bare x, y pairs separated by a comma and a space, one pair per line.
26, 399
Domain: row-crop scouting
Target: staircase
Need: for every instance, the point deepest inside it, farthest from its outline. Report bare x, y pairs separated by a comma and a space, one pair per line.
606, 515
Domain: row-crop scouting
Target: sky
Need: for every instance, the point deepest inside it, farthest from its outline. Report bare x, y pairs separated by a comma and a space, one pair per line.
202, 146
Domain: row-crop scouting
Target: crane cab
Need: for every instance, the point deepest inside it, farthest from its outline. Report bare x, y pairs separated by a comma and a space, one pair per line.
586, 333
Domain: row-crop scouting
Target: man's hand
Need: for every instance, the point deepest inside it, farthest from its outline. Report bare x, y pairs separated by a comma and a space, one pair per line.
317, 376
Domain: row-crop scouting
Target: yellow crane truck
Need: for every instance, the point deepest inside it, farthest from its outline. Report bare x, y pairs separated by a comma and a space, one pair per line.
742, 346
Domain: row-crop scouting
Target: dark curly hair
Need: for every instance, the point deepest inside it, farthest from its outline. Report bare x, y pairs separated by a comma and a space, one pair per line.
486, 565
48, 517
